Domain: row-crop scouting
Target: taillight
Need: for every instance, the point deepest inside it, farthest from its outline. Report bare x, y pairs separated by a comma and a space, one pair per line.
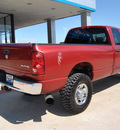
38, 63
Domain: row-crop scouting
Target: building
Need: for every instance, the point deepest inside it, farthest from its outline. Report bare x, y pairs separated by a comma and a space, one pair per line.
16, 14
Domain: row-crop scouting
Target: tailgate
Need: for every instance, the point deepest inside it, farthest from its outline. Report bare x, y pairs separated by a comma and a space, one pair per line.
16, 57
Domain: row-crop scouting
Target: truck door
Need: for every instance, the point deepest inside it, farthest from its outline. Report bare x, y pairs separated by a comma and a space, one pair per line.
116, 40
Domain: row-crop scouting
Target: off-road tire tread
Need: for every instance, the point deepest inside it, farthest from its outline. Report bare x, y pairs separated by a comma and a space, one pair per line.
66, 94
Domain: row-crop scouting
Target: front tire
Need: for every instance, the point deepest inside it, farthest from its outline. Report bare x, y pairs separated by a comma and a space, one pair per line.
76, 95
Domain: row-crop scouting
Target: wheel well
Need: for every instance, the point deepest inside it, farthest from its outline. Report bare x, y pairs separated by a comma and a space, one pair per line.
83, 67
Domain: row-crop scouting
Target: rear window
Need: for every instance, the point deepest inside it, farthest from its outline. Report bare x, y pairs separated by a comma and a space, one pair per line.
87, 36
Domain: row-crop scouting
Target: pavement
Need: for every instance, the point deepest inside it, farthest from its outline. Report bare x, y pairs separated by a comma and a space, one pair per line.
24, 112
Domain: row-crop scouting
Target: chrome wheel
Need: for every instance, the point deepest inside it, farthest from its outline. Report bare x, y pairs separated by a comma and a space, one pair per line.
81, 94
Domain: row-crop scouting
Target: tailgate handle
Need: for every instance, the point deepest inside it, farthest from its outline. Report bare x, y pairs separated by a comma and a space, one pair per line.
6, 51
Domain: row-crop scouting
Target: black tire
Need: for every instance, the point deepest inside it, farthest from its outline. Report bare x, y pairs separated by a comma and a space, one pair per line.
69, 92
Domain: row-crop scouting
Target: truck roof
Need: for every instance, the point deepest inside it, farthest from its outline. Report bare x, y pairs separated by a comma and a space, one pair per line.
99, 26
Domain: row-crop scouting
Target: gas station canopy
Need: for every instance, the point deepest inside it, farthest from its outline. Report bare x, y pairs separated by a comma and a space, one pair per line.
31, 12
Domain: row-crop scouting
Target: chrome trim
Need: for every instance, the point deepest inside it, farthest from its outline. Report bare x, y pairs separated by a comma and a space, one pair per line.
25, 86
25, 66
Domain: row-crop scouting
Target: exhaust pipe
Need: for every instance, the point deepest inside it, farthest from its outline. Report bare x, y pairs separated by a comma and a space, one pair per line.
49, 99
5, 88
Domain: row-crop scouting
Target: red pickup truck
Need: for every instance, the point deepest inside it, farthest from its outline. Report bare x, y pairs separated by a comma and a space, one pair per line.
88, 54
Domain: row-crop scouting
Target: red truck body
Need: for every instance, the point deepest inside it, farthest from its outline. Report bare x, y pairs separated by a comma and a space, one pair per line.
97, 61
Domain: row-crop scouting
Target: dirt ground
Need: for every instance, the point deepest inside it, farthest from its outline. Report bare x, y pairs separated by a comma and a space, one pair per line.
19, 111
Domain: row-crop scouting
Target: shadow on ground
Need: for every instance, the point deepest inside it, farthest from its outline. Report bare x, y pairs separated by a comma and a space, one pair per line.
105, 83
18, 108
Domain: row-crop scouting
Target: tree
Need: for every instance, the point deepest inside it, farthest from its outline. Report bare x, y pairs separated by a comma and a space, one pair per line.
61, 42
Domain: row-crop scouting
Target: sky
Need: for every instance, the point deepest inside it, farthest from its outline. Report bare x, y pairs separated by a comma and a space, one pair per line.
107, 13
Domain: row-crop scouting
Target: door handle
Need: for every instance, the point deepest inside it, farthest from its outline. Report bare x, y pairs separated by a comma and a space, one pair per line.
117, 50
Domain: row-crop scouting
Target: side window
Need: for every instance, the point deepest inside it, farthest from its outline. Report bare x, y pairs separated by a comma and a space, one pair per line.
116, 36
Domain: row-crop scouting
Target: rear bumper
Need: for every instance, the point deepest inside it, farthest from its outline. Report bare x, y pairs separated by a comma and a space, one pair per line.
24, 86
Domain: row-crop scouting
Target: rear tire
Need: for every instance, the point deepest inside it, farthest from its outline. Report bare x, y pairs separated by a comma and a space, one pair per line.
76, 95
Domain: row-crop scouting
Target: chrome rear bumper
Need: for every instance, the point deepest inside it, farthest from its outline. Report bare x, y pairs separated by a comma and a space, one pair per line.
24, 86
